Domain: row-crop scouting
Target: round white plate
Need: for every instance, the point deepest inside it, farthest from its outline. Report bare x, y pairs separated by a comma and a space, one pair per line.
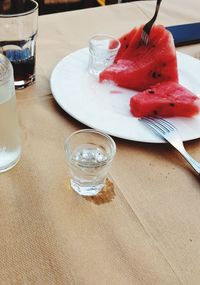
105, 107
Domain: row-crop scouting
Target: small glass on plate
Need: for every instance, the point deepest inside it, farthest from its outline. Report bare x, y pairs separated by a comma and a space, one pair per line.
103, 49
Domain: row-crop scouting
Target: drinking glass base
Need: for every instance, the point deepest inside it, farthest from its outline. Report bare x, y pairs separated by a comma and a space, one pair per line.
86, 189
10, 165
21, 84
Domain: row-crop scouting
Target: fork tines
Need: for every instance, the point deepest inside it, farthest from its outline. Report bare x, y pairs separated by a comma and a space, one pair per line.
159, 125
160, 121
145, 37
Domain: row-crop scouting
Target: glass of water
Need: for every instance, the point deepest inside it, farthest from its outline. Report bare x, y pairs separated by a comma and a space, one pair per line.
103, 49
10, 147
89, 155
18, 22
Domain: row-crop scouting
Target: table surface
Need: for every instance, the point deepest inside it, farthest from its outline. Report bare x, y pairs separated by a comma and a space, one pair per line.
145, 229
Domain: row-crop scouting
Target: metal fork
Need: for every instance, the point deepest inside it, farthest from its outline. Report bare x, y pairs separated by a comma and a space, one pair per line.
169, 132
147, 27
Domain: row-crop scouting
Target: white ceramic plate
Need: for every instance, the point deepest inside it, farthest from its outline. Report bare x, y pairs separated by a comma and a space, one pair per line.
105, 107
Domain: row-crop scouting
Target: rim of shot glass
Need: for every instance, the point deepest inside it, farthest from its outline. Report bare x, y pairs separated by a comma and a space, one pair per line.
109, 139
105, 36
31, 11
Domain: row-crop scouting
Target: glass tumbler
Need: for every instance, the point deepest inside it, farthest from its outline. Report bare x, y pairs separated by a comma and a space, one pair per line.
10, 149
18, 22
103, 49
89, 155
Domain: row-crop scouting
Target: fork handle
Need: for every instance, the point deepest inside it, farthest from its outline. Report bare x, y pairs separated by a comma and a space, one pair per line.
195, 165
157, 8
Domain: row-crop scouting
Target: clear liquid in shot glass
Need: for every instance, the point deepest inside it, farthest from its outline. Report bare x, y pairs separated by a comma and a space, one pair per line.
88, 165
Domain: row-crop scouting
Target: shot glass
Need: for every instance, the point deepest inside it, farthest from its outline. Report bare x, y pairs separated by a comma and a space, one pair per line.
103, 49
18, 22
89, 155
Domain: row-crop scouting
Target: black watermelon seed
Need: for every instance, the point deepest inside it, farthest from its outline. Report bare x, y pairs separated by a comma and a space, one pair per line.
171, 104
151, 91
154, 74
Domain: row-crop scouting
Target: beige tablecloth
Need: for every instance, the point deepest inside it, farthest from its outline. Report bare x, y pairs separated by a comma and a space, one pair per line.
145, 230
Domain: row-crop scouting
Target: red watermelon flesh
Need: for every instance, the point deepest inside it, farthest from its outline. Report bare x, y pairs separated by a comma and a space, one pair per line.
124, 41
167, 99
138, 66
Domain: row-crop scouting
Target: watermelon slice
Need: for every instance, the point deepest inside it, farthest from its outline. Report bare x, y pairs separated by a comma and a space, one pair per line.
166, 99
138, 66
